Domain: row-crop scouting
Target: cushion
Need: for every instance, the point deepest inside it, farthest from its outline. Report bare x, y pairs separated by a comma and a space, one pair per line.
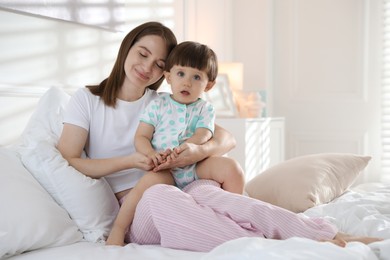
306, 181
89, 202
30, 218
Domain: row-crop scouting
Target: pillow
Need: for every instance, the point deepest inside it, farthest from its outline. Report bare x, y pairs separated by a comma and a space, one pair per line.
30, 218
306, 181
89, 202
46, 121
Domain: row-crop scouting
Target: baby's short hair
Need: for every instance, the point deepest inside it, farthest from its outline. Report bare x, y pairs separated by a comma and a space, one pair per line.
194, 55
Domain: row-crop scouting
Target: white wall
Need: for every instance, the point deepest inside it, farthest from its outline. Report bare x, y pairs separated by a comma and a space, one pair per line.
239, 31
210, 22
252, 41
327, 77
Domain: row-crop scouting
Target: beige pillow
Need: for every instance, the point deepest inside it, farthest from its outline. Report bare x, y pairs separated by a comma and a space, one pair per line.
306, 181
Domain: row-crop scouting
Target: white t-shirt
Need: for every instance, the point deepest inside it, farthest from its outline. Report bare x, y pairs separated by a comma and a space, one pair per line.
111, 130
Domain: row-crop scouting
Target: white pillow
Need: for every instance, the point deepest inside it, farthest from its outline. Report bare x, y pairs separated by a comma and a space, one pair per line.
306, 181
89, 202
30, 218
46, 121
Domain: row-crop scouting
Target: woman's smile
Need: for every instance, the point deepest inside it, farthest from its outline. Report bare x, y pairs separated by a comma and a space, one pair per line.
142, 75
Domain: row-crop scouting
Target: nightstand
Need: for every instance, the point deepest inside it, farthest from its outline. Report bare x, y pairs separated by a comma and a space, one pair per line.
260, 142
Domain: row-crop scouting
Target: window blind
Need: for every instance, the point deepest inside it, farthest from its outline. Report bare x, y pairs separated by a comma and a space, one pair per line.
386, 90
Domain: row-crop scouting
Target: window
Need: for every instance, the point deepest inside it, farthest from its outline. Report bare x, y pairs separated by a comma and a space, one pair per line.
386, 90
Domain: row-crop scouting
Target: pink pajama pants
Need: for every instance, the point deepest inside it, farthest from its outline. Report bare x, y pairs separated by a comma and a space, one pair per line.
203, 216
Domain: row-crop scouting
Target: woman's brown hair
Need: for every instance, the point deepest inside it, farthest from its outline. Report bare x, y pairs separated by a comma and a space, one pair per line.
109, 88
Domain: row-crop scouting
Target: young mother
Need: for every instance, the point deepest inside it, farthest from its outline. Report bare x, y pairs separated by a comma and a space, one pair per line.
101, 120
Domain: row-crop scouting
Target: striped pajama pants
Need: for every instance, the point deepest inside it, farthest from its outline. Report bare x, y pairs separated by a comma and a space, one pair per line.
203, 216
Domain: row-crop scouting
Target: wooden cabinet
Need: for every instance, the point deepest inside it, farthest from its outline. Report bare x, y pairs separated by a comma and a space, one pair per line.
260, 142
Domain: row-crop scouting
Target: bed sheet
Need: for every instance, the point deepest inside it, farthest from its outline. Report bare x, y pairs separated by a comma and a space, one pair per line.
364, 210
97, 251
243, 248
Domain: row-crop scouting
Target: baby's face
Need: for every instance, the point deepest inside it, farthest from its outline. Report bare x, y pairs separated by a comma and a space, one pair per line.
187, 83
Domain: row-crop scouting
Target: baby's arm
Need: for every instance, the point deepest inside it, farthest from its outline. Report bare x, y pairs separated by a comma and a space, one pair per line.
142, 142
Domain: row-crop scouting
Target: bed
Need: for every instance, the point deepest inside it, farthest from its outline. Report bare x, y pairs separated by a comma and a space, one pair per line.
51, 211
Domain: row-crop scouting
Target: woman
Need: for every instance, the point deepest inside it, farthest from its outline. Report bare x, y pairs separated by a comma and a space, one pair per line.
101, 120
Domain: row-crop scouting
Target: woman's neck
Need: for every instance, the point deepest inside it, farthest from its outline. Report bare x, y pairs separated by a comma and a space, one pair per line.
128, 93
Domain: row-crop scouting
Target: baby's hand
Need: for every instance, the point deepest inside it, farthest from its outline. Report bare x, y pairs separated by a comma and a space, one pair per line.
166, 153
183, 155
157, 157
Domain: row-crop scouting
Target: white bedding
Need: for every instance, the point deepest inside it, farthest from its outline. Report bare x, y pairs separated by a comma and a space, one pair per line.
244, 248
362, 211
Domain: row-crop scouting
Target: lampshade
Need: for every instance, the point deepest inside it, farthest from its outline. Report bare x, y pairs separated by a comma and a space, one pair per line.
234, 71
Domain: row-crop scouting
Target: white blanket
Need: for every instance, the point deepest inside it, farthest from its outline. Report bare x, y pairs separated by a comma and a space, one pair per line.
363, 211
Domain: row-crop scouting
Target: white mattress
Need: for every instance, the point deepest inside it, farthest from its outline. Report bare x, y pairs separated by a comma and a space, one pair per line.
362, 211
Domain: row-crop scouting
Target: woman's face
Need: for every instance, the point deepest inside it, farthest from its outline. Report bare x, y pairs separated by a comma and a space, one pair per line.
145, 62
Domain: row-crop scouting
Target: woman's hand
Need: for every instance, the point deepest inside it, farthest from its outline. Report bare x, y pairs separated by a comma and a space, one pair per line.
141, 161
183, 155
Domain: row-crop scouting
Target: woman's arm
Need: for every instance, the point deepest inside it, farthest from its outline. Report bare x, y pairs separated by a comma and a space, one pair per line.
201, 136
221, 143
71, 145
188, 153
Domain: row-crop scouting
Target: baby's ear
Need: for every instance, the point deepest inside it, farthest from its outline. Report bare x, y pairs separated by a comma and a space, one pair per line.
209, 86
167, 76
